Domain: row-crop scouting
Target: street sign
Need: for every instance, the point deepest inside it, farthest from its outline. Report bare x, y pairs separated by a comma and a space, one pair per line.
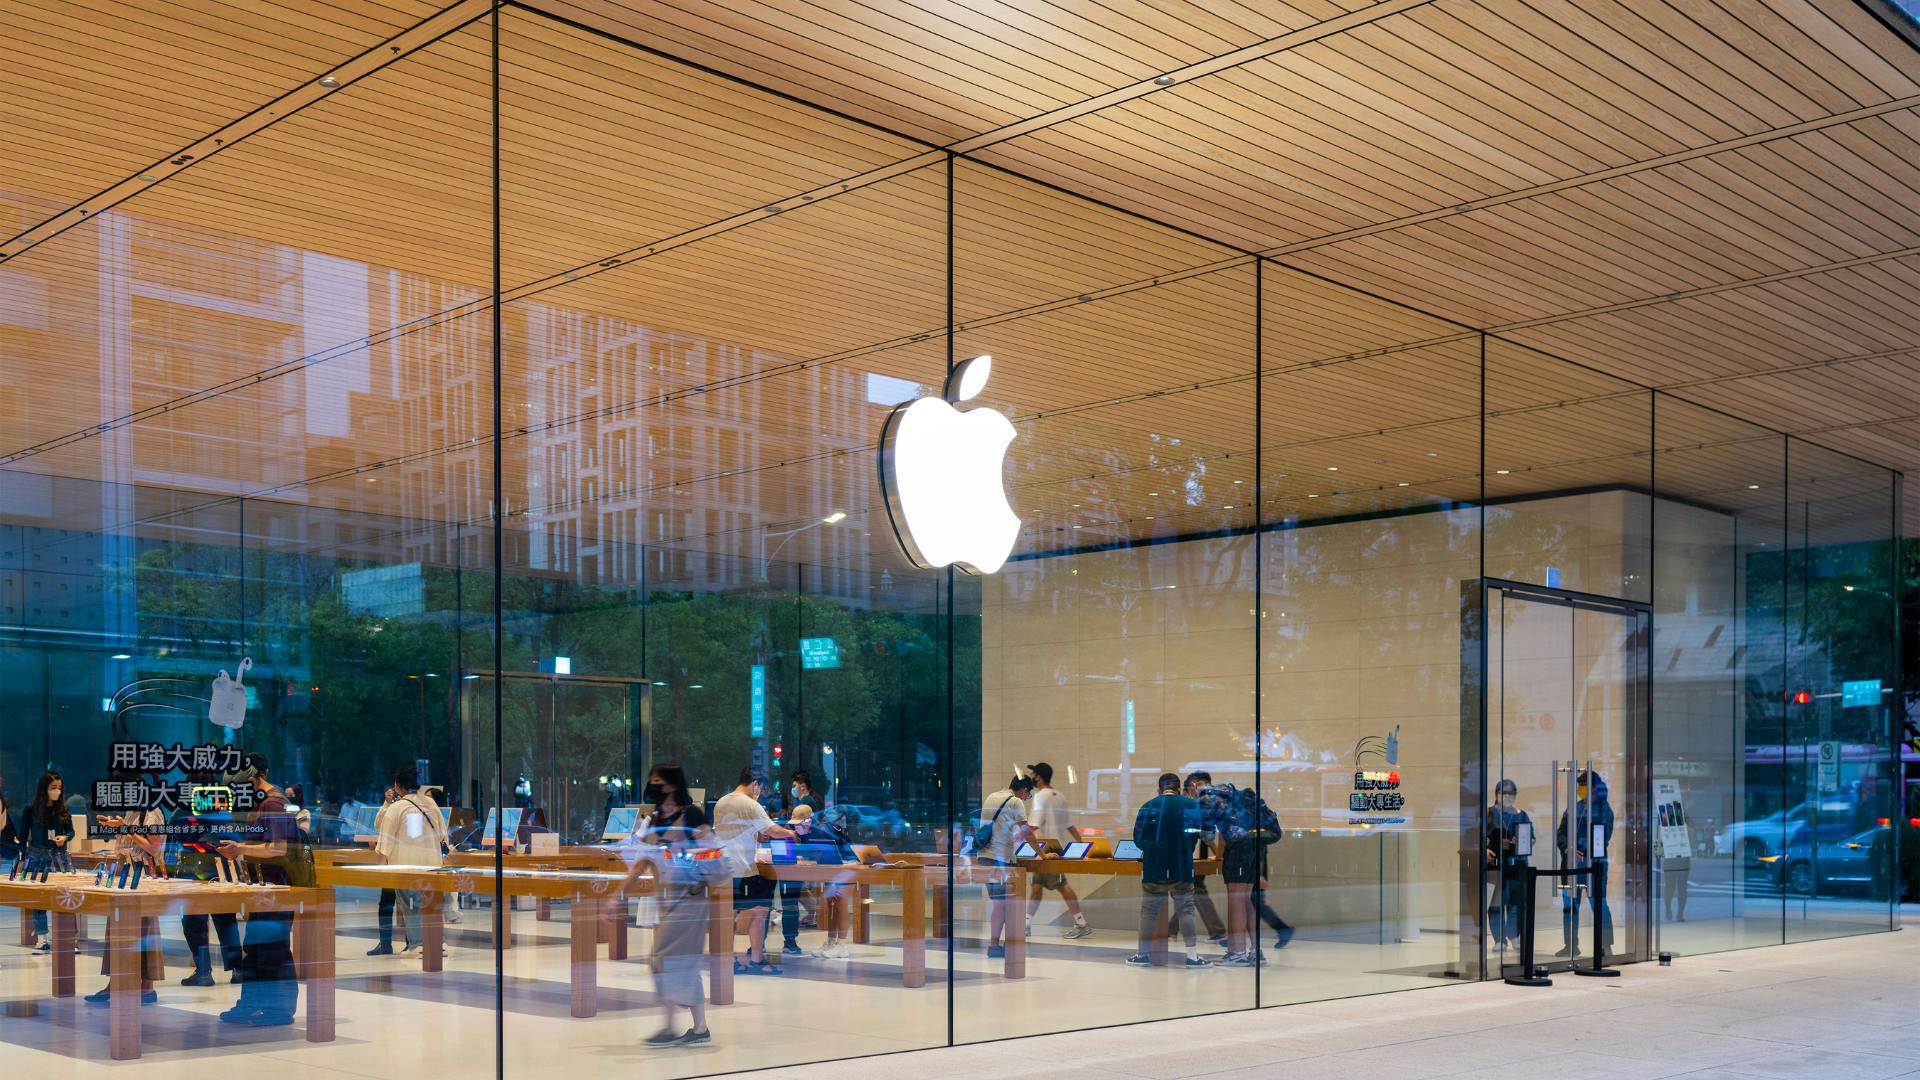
759, 708
1861, 692
1829, 766
817, 653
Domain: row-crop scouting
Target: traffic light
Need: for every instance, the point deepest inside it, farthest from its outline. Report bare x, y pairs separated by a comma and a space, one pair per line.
1800, 697
777, 750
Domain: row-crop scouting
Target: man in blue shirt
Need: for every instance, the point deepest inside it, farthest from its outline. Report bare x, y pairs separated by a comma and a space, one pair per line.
1165, 830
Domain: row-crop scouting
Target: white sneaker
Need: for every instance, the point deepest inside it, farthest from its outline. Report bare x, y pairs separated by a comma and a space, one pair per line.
839, 952
413, 949
453, 916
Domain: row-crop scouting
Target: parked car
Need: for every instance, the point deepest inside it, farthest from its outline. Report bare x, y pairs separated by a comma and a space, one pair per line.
1767, 835
1806, 867
864, 824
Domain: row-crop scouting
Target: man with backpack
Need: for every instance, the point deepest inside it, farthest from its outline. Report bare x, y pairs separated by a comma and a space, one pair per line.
268, 992
1000, 830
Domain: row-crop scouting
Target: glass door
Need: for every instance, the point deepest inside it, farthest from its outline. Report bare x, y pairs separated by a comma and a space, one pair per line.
1566, 767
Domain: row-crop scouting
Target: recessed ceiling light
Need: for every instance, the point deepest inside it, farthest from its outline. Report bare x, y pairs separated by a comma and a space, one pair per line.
1239, 481
1333, 468
1164, 80
1753, 487
1403, 483
330, 82
1502, 472
1226, 508
1313, 496
129, 656
1433, 453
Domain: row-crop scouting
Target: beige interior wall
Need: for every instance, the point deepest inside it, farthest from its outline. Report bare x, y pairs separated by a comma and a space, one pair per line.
1361, 635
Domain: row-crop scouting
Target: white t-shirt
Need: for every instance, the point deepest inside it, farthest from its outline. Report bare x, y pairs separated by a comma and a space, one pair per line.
737, 822
411, 831
1006, 825
1050, 817
124, 844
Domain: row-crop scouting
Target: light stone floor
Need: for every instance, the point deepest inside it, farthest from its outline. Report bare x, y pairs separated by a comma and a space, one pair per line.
1839, 1008
1843, 1008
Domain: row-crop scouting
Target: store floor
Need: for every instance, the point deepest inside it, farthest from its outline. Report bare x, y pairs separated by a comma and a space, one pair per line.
1841, 1008
395, 1020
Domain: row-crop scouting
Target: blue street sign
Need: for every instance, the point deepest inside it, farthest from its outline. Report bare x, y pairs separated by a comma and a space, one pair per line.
819, 652
1862, 692
759, 691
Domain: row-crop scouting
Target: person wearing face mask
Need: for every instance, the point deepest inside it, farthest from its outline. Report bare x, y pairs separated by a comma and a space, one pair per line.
49, 829
1583, 839
1507, 861
797, 905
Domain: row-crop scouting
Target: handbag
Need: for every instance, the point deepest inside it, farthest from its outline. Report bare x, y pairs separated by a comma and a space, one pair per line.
983, 834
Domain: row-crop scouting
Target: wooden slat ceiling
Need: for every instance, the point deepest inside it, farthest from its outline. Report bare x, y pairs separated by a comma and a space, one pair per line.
100, 90
1554, 171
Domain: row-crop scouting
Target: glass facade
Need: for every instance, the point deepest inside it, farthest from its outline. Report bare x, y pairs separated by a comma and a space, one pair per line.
566, 470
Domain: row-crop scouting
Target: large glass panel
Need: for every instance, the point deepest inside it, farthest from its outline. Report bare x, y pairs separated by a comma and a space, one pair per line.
1370, 531
1118, 645
1717, 678
702, 585
236, 497
1838, 766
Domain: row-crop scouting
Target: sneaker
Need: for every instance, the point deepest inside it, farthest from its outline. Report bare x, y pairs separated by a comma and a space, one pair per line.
1564, 950
105, 996
414, 948
385, 948
1252, 958
1197, 962
663, 1037
696, 1038
1234, 959
1217, 939
1077, 930
840, 952
1140, 960
198, 978
266, 1019
452, 916
1282, 936
995, 952
43, 944
239, 1014
792, 949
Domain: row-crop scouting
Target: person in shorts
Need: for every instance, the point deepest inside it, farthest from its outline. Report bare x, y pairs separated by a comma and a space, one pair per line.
1004, 814
740, 822
1052, 821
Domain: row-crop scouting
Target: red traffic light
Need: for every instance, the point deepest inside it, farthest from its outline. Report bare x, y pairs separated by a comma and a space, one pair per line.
1800, 697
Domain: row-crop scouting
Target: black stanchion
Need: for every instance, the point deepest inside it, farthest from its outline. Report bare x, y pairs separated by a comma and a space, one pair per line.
1530, 975
1597, 970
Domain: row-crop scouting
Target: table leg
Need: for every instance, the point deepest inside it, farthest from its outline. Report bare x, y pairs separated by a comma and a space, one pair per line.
542, 909
313, 926
940, 896
585, 935
614, 927
1016, 923
913, 929
123, 981
433, 927
62, 927
862, 900
720, 944
26, 926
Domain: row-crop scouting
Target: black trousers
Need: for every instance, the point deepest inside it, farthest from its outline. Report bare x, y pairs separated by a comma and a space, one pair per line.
267, 961
195, 927
790, 892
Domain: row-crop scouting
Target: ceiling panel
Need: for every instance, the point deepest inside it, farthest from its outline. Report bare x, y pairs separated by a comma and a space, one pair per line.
98, 91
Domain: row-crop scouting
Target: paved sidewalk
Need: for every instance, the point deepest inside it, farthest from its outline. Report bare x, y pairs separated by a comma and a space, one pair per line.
1845, 1008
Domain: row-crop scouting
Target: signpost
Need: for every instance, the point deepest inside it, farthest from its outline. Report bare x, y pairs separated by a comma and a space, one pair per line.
1860, 692
1829, 766
818, 653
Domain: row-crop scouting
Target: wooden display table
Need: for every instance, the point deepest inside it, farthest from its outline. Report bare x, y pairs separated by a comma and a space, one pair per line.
67, 896
912, 881
589, 892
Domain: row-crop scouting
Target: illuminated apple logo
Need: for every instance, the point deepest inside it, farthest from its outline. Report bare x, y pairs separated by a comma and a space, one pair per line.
940, 469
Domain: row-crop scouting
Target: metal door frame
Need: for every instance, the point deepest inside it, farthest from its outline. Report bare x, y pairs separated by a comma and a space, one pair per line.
1637, 784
